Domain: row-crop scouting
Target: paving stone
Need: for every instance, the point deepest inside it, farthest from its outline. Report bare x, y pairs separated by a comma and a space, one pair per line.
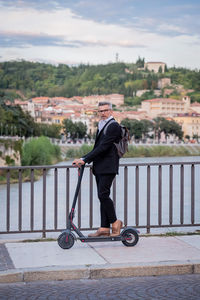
176, 287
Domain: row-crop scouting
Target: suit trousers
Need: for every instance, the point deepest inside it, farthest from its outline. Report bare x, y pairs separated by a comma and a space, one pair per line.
107, 210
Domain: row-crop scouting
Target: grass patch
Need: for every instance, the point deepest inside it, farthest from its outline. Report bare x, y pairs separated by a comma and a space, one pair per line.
39, 240
161, 150
142, 151
78, 152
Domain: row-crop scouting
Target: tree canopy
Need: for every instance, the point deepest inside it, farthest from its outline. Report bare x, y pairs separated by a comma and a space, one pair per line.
144, 128
18, 78
74, 129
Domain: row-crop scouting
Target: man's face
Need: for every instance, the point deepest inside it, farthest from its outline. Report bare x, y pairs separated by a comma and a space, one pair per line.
104, 112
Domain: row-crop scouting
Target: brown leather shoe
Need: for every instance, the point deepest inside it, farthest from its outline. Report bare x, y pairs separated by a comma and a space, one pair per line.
116, 228
100, 232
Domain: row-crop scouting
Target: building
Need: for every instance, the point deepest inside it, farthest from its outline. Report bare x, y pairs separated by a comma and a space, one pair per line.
190, 123
165, 106
28, 106
195, 107
155, 66
115, 99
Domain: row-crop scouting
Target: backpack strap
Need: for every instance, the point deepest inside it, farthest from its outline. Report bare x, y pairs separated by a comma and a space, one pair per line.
107, 124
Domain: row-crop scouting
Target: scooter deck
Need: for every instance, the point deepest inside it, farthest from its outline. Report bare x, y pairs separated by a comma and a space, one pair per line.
101, 239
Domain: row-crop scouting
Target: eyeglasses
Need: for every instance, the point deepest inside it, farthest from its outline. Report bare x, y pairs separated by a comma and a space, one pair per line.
103, 110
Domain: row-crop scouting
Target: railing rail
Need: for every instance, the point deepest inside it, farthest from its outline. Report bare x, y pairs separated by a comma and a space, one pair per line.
146, 195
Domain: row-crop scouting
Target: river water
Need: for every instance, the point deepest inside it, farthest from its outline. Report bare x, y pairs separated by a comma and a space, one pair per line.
38, 194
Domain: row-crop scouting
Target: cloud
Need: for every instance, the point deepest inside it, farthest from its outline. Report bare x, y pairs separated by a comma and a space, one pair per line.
62, 28
25, 40
84, 31
146, 15
36, 4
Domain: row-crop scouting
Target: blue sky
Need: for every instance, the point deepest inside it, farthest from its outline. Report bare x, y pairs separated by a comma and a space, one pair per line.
93, 31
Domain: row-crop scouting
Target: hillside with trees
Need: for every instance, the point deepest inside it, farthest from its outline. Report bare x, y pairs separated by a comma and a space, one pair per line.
23, 79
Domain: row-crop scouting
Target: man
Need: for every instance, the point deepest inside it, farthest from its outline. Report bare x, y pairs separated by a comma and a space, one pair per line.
105, 167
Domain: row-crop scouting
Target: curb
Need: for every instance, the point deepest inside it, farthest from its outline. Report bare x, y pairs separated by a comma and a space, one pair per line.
100, 271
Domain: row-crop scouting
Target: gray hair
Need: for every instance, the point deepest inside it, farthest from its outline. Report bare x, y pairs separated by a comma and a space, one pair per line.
105, 103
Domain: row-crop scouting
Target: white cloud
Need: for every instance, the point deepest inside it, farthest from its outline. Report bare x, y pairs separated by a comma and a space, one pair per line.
92, 41
171, 28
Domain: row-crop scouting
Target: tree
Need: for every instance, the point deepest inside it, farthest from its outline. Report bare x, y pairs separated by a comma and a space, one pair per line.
135, 127
187, 137
52, 131
81, 129
69, 128
133, 86
74, 130
168, 127
147, 127
140, 62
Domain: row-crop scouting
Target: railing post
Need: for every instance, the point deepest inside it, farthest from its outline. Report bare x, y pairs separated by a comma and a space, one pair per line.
32, 199
159, 195
8, 201
170, 194
182, 195
137, 195
44, 204
79, 208
55, 198
125, 194
67, 194
148, 199
192, 193
91, 198
20, 200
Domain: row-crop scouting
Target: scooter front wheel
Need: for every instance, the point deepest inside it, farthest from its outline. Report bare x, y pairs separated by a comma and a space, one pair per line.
131, 237
66, 240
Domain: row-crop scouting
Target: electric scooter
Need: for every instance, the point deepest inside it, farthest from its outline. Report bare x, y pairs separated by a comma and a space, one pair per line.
129, 236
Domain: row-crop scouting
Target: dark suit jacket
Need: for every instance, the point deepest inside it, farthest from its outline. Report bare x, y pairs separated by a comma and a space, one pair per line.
104, 154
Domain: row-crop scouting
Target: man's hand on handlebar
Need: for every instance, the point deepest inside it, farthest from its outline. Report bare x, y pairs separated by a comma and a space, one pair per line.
78, 162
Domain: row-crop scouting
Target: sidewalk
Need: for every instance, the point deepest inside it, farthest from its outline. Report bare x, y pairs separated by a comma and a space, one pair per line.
154, 255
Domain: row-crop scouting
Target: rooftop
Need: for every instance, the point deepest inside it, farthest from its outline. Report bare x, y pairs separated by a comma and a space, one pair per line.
163, 100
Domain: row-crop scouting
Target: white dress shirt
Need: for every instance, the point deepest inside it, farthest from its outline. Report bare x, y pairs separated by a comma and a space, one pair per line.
103, 122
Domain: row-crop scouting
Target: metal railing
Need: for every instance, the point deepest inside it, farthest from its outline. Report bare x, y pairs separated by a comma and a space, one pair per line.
146, 195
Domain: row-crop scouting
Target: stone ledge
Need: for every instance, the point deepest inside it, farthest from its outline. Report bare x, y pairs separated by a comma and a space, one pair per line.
96, 272
11, 276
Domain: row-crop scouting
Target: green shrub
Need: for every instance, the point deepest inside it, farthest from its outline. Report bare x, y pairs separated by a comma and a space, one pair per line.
39, 151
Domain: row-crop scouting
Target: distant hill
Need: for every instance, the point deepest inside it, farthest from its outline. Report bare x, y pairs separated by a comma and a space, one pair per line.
24, 79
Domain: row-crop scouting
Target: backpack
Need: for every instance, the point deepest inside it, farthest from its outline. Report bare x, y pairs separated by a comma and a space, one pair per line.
122, 145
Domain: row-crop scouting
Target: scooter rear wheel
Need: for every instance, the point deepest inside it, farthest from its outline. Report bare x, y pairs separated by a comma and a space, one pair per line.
66, 240
131, 237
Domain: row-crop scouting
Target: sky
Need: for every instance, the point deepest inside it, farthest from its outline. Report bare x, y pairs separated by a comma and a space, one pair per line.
101, 31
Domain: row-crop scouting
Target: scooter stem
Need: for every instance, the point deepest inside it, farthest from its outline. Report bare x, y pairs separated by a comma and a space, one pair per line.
80, 175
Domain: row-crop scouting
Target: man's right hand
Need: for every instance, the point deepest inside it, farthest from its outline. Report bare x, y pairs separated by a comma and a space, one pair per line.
78, 162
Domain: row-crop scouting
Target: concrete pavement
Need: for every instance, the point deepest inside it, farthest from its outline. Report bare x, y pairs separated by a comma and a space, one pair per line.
154, 255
